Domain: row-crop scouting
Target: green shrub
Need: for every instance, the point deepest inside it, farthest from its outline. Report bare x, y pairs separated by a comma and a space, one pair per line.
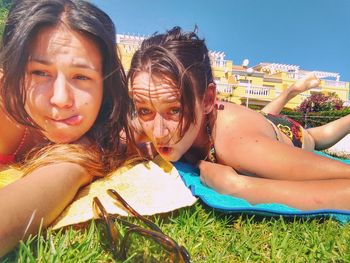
315, 119
320, 102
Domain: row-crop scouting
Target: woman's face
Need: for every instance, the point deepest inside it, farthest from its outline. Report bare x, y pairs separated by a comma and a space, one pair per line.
64, 83
158, 107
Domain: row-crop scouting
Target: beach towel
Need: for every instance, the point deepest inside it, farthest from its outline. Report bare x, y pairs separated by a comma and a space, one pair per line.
8, 176
150, 187
231, 204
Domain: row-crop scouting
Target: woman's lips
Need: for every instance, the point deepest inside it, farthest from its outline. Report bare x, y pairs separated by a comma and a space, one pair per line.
74, 120
165, 150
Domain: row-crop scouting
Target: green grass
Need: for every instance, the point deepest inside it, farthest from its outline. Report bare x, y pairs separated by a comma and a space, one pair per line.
209, 236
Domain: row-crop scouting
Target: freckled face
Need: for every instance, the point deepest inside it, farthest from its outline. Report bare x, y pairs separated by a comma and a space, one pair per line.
159, 110
64, 83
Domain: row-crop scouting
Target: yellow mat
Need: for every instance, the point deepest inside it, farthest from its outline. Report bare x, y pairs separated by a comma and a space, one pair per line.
9, 176
150, 188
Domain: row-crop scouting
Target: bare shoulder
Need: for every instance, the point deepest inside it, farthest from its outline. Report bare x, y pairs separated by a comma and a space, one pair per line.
237, 129
239, 119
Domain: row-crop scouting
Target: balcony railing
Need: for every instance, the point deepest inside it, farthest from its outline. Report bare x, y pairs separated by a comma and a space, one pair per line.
304, 95
218, 63
225, 87
250, 90
334, 83
327, 82
257, 91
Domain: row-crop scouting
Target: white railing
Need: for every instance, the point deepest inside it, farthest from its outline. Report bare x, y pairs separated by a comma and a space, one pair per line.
250, 90
327, 82
257, 91
218, 62
217, 59
334, 83
224, 88
304, 95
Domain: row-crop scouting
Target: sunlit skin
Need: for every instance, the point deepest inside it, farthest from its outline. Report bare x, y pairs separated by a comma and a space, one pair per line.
159, 110
64, 83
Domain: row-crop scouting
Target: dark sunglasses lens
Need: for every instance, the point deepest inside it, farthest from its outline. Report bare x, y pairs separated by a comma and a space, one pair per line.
141, 248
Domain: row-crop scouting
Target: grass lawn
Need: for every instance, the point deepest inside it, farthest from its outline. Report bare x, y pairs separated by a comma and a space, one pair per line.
209, 236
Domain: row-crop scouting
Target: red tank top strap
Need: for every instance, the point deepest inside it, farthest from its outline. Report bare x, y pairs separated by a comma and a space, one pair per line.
7, 158
10, 158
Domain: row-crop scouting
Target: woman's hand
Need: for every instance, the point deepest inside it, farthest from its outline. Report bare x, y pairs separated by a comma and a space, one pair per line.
220, 177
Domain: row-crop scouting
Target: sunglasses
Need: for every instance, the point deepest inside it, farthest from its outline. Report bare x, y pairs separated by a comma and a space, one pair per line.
138, 244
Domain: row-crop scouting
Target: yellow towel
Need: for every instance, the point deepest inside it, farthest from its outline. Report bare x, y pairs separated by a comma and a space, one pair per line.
150, 188
9, 176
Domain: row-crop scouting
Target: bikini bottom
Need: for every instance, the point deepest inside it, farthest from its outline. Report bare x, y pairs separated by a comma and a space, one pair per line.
289, 127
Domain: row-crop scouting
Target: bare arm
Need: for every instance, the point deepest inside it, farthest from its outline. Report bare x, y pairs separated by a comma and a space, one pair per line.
43, 194
305, 195
276, 105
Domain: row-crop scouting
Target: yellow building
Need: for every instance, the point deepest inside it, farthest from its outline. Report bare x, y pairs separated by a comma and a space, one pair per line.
127, 45
262, 83
256, 85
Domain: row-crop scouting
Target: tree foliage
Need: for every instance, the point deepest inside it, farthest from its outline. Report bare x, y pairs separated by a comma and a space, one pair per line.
320, 102
5, 4
4, 7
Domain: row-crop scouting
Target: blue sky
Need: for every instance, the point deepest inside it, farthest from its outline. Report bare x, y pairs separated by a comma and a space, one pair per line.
314, 34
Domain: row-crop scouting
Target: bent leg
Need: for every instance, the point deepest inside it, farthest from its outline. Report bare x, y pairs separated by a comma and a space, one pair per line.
329, 134
308, 82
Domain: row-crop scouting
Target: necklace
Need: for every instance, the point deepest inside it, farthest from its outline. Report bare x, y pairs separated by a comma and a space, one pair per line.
212, 153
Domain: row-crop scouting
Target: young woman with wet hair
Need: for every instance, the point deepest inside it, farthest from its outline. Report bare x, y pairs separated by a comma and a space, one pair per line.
261, 157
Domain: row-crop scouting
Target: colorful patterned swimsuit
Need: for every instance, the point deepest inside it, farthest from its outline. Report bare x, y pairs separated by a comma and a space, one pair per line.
289, 127
211, 157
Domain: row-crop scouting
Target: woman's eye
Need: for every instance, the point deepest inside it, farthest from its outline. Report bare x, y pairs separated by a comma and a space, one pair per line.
143, 111
175, 111
81, 77
39, 73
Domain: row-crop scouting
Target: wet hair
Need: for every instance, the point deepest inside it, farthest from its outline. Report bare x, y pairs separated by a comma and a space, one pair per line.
181, 57
25, 20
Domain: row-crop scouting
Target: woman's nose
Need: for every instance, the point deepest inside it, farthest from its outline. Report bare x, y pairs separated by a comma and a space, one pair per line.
61, 93
160, 130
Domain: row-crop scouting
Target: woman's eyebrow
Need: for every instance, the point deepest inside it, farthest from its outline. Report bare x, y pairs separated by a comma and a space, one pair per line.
40, 60
143, 98
76, 64
83, 65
